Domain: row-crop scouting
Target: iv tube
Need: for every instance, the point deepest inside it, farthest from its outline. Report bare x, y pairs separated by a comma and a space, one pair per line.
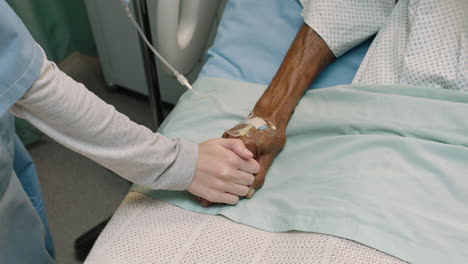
181, 78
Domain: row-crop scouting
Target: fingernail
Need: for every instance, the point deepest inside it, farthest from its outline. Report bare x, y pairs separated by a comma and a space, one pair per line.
250, 193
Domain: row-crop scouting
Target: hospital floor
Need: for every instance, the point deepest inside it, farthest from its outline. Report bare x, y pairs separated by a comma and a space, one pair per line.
78, 193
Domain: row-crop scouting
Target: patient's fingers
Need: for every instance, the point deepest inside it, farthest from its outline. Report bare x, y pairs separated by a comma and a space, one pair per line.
244, 178
204, 202
265, 162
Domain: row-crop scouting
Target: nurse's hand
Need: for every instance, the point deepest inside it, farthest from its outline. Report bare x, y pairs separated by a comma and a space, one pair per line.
265, 146
224, 171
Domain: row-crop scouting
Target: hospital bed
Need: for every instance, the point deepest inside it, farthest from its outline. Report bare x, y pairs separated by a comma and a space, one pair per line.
146, 229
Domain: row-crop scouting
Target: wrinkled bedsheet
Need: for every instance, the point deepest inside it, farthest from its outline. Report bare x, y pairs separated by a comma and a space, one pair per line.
385, 166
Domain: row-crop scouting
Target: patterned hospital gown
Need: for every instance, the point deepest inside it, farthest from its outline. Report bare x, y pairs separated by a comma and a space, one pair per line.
418, 42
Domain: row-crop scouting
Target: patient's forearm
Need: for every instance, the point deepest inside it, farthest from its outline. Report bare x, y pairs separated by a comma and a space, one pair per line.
305, 59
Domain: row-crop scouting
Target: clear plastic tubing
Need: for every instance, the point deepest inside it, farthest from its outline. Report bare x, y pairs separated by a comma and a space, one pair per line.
181, 78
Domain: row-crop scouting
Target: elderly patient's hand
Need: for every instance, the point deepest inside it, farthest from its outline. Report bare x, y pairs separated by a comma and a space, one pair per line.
224, 171
265, 146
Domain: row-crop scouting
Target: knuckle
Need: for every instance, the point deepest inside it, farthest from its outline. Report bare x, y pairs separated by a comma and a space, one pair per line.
220, 185
230, 175
223, 172
231, 159
226, 173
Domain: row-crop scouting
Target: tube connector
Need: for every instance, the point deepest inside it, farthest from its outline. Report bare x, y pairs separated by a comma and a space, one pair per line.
183, 81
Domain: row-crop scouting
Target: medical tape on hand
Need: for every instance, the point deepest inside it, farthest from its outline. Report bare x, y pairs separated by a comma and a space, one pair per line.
257, 122
252, 122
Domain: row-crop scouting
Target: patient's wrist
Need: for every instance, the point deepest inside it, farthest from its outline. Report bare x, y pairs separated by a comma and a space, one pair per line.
279, 116
306, 58
251, 123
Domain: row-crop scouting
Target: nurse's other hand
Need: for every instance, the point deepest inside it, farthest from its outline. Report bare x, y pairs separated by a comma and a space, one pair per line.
224, 171
265, 146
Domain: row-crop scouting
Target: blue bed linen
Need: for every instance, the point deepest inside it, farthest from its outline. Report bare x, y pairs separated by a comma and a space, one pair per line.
384, 166
254, 36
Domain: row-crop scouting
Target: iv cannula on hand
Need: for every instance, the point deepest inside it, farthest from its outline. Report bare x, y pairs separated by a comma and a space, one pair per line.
180, 77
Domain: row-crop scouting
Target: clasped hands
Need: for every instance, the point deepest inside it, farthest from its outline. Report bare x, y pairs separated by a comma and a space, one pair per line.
235, 165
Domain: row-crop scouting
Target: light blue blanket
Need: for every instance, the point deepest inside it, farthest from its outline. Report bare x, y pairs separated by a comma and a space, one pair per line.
386, 166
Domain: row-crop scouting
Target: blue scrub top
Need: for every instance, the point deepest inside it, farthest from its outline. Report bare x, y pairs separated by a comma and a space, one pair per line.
20, 58
22, 233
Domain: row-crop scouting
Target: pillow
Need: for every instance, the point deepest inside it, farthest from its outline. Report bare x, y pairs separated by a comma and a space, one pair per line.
253, 38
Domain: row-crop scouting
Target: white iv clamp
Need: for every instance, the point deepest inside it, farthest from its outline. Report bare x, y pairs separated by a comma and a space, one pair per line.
180, 77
